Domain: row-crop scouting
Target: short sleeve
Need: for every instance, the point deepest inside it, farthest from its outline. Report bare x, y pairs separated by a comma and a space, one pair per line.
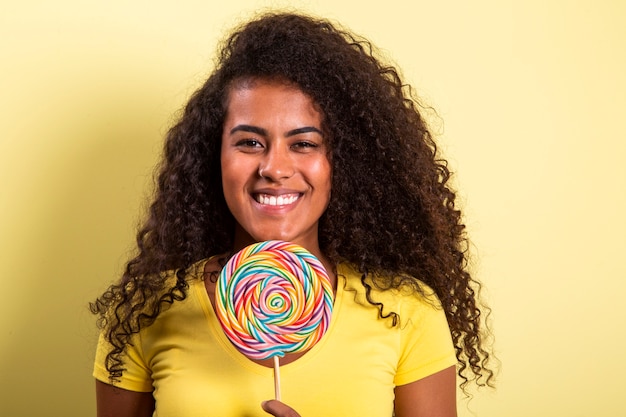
136, 376
425, 340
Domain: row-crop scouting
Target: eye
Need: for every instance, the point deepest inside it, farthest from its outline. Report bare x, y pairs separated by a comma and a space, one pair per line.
249, 144
304, 145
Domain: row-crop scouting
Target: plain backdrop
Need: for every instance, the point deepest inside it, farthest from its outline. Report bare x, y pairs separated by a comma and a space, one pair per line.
530, 97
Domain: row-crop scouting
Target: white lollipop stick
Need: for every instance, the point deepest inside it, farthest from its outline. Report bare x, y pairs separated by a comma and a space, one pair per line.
276, 378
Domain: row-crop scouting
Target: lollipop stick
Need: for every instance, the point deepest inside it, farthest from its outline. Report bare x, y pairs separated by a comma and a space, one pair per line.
276, 378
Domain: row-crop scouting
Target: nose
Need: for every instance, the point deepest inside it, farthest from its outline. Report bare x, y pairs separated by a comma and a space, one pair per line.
276, 164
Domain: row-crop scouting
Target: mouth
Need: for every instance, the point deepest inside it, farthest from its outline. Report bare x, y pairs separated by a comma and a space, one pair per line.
276, 200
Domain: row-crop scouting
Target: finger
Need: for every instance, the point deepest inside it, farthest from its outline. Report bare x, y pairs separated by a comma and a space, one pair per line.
278, 409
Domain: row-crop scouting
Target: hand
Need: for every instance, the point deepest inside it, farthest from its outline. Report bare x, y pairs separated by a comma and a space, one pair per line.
278, 409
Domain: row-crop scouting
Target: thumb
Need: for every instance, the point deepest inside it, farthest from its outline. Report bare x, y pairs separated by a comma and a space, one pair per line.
278, 409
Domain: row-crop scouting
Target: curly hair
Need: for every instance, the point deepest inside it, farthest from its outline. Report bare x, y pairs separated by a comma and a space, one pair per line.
391, 211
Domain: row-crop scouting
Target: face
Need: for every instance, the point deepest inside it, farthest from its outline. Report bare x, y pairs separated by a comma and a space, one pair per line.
276, 174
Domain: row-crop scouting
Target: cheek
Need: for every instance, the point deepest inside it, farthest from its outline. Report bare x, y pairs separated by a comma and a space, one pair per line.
228, 164
322, 172
229, 178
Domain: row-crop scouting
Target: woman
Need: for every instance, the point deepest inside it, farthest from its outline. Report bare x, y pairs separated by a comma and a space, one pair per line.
300, 134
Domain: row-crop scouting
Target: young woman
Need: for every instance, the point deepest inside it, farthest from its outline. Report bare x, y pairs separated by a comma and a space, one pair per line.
300, 134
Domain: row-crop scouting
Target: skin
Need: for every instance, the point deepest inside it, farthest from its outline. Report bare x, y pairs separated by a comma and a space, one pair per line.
276, 177
116, 402
276, 174
433, 396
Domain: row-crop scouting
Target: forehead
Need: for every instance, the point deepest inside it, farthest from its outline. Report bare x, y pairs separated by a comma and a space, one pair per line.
270, 101
247, 83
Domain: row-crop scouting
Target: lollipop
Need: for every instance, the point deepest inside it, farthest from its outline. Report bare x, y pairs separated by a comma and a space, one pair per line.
273, 298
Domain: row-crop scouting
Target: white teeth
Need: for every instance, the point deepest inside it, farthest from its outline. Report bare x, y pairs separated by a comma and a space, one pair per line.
281, 200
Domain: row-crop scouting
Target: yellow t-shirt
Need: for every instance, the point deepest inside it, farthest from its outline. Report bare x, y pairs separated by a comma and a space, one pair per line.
193, 370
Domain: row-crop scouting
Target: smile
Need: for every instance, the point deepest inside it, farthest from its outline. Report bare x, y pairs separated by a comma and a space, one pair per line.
280, 200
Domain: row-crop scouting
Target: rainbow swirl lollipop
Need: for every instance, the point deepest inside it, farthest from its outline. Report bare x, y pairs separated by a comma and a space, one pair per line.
273, 298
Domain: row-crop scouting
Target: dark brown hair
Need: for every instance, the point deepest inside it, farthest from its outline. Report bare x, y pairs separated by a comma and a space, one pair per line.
391, 212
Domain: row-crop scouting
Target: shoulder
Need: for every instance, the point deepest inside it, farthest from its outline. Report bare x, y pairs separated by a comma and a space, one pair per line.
200, 270
424, 344
404, 300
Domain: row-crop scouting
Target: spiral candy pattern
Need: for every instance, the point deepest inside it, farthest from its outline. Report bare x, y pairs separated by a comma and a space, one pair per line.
273, 298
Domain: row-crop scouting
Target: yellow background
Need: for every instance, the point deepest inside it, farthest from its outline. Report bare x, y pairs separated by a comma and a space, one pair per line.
532, 99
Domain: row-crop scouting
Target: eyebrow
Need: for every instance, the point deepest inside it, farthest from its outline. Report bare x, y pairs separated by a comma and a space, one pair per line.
263, 132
